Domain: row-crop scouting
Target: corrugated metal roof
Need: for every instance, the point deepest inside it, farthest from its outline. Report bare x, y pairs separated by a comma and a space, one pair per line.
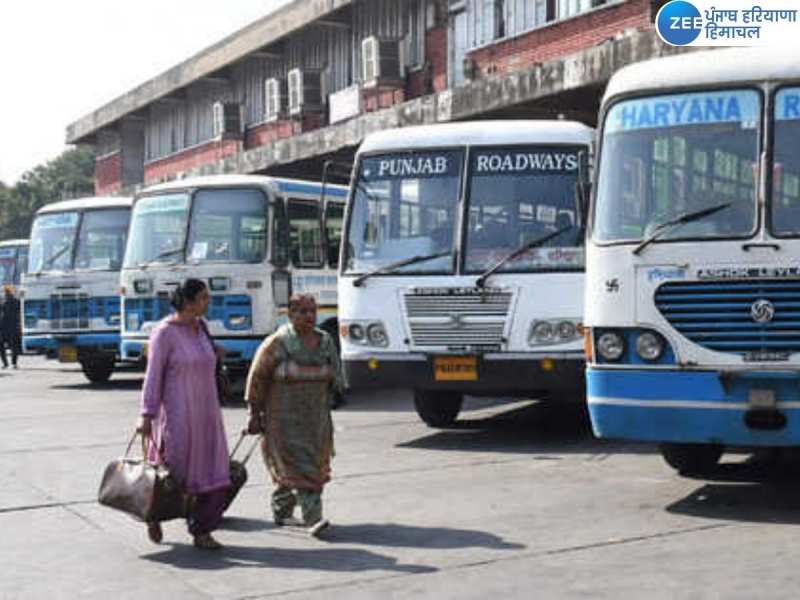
236, 46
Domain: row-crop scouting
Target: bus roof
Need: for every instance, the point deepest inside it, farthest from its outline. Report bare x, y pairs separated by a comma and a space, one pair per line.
478, 133
86, 203
706, 68
6, 243
284, 184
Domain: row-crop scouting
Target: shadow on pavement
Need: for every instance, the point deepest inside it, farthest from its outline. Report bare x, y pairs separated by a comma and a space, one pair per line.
406, 536
538, 427
113, 384
763, 489
345, 560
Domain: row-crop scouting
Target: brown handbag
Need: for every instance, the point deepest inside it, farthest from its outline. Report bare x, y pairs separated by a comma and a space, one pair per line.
144, 490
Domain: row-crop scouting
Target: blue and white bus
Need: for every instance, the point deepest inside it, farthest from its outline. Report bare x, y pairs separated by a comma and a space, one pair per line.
462, 271
71, 305
13, 261
253, 239
693, 259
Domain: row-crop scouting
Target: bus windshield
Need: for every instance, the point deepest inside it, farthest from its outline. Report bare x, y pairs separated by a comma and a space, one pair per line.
52, 242
101, 239
8, 265
518, 195
785, 220
158, 229
228, 225
671, 155
404, 205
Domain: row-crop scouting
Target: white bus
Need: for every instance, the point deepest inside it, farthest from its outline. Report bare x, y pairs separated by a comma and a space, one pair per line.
693, 267
13, 261
462, 271
71, 306
253, 239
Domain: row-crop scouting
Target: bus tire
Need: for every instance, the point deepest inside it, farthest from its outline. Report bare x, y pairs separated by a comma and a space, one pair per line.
691, 459
438, 409
98, 369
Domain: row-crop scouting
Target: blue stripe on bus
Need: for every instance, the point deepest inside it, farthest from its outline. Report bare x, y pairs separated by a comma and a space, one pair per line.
308, 188
676, 406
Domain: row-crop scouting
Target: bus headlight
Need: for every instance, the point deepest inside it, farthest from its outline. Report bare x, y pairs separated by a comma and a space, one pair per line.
356, 332
611, 346
113, 319
553, 332
143, 286
219, 284
376, 334
566, 330
649, 346
541, 333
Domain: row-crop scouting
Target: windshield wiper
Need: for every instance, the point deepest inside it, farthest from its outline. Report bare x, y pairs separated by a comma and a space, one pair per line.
165, 254
359, 281
54, 257
481, 281
679, 220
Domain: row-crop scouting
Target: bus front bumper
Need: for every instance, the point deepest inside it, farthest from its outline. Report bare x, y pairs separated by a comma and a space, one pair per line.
72, 347
731, 408
495, 374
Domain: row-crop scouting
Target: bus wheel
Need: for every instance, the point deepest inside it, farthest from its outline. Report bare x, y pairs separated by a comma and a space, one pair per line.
691, 459
98, 369
437, 409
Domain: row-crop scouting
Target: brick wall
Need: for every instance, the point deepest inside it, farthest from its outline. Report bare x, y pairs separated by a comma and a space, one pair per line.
268, 133
170, 166
436, 54
562, 38
108, 174
377, 98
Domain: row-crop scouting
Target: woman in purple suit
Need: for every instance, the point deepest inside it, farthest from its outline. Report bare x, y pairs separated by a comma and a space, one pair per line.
180, 411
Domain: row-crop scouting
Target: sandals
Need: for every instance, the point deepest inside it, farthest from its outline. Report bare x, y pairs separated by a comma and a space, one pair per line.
155, 533
204, 541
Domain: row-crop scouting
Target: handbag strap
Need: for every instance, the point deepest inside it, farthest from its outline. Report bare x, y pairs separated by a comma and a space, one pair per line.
252, 449
144, 446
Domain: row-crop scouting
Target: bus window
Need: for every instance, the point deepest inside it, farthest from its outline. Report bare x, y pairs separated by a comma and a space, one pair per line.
305, 233
158, 229
786, 169
518, 195
404, 205
53, 241
101, 239
228, 226
664, 156
280, 235
334, 215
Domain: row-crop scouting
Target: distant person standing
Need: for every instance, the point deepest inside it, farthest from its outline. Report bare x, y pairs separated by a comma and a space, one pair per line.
10, 327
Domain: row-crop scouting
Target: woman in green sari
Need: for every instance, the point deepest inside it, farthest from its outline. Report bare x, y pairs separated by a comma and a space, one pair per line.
288, 388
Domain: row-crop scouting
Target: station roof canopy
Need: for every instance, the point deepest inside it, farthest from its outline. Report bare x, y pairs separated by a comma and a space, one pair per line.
252, 38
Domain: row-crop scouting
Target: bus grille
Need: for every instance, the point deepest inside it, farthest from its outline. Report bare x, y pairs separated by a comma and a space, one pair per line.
717, 315
69, 311
457, 319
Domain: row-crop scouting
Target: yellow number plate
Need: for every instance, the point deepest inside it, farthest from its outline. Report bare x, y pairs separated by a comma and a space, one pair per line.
67, 354
144, 350
455, 368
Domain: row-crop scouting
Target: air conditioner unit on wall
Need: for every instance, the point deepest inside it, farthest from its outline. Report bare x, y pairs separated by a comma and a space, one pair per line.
305, 91
227, 119
274, 99
381, 62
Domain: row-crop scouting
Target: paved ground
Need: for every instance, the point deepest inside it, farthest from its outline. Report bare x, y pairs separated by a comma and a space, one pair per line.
518, 501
